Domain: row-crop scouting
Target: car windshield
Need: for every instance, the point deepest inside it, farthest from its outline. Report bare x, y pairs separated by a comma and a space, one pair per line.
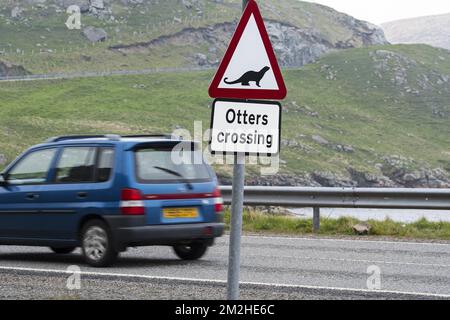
155, 165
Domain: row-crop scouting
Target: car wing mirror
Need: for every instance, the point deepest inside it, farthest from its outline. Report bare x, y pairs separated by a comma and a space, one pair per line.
3, 181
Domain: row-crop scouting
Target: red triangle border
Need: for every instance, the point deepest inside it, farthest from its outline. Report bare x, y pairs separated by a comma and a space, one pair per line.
216, 92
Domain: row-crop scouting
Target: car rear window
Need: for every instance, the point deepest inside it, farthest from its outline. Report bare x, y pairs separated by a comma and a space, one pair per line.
161, 165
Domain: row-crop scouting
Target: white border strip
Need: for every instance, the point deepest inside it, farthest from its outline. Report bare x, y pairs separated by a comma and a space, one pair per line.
222, 282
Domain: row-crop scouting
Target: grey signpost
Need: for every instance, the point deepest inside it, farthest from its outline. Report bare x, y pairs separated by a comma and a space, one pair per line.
236, 226
242, 119
236, 220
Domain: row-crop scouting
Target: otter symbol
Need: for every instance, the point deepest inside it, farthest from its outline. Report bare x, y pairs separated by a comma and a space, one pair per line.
249, 77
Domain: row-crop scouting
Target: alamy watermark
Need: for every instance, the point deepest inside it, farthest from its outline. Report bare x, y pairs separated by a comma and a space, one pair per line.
74, 20
74, 280
374, 279
269, 164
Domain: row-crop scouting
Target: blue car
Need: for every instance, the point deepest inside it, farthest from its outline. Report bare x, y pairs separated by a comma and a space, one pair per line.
107, 193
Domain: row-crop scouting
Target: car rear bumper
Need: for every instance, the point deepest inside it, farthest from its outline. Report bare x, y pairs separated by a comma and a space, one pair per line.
132, 232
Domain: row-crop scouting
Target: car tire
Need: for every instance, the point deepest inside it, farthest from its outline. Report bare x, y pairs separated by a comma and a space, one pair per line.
193, 251
97, 244
66, 250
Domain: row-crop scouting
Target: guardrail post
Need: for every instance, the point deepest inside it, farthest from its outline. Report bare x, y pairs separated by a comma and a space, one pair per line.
316, 219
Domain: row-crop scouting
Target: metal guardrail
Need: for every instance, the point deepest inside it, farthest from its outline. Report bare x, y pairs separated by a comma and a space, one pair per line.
295, 197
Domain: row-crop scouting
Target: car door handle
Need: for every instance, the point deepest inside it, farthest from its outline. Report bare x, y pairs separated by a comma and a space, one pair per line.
32, 196
82, 195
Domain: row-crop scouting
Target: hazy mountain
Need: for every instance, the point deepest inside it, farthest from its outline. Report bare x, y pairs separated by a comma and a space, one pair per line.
431, 30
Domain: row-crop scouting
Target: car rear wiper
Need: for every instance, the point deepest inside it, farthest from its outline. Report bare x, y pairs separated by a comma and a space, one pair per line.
177, 174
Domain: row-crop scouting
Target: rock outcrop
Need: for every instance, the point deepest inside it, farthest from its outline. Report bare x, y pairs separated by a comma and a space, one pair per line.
388, 177
95, 34
294, 46
12, 70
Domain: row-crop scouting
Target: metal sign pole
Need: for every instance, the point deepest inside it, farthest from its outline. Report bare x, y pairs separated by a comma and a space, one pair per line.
236, 227
234, 260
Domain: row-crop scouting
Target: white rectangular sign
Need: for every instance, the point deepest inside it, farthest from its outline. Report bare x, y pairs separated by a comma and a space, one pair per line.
250, 127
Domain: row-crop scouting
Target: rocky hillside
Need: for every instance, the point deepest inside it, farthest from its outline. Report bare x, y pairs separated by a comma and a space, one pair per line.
360, 113
431, 30
136, 34
369, 117
374, 115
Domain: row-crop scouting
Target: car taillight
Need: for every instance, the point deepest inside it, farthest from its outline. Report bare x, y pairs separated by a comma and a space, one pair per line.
132, 203
218, 201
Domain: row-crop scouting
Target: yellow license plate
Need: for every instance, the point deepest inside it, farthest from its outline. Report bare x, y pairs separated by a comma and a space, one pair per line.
176, 213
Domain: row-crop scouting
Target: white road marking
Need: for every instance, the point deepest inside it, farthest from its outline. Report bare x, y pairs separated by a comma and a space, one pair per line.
347, 240
222, 282
351, 260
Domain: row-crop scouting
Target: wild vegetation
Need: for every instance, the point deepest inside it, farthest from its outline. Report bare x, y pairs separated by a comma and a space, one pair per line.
256, 222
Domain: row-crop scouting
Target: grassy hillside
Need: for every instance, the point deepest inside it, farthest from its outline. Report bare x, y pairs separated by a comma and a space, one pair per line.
39, 40
368, 104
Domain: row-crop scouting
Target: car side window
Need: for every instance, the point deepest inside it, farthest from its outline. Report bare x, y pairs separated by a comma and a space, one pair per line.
76, 165
105, 164
33, 168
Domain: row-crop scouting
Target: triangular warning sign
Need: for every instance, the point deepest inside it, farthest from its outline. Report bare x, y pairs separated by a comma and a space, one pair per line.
249, 69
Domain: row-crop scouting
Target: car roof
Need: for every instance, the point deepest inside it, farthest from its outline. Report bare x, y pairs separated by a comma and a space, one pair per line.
111, 139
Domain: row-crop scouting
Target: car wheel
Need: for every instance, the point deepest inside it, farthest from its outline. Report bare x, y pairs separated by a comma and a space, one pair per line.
193, 251
66, 250
97, 245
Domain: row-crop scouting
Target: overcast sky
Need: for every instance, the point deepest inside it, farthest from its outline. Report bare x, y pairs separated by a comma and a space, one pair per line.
379, 11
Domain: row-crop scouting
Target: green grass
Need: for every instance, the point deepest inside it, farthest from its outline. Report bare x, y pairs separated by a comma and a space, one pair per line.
377, 122
255, 222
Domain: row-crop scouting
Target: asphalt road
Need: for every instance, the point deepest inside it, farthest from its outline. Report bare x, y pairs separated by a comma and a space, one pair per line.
271, 268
